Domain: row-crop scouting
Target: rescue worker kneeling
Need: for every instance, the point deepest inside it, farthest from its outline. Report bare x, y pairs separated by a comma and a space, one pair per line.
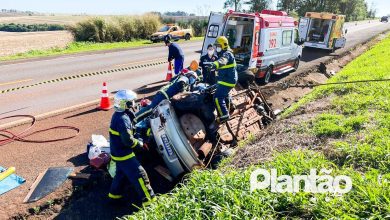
227, 76
180, 83
122, 146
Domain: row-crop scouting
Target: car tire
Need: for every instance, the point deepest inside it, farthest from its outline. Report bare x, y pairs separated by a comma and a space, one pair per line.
296, 63
265, 80
187, 37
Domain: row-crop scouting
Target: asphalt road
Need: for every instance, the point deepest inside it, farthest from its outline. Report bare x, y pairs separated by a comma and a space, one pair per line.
57, 95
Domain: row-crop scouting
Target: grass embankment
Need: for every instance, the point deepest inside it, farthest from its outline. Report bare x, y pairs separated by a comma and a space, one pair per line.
79, 47
354, 134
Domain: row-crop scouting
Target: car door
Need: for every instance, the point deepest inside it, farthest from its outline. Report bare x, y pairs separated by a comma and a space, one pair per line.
214, 29
304, 24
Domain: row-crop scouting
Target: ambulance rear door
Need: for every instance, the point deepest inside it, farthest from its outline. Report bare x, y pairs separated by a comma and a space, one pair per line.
304, 24
214, 29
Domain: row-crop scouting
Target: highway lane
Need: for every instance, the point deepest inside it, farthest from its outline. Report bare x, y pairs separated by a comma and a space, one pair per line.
53, 96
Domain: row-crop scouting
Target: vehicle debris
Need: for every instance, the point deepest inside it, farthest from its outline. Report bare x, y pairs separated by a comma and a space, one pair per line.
47, 182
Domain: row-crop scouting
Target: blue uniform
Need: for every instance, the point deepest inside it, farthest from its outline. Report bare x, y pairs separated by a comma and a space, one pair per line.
177, 86
176, 53
208, 75
122, 145
226, 80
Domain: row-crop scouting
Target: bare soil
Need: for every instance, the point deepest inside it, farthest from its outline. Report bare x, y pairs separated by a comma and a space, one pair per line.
84, 199
14, 43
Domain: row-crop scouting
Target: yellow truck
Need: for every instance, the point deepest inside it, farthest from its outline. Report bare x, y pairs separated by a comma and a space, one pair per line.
322, 30
175, 31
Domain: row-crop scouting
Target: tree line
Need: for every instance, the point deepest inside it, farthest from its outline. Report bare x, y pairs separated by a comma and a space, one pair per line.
354, 10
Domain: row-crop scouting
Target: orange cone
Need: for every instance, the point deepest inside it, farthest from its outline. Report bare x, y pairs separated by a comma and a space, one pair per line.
105, 103
169, 73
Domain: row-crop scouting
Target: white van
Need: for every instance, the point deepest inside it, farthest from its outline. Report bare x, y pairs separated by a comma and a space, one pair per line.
264, 43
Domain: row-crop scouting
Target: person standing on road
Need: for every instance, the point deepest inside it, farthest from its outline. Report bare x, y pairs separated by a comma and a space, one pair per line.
208, 75
175, 53
227, 76
122, 146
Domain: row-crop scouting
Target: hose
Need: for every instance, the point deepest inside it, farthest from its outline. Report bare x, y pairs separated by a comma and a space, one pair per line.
11, 137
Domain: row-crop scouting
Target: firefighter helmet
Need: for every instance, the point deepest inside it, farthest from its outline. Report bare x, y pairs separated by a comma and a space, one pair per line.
124, 99
223, 42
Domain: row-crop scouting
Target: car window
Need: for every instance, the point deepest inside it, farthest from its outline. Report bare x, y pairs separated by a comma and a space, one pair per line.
174, 29
287, 37
164, 29
213, 31
296, 36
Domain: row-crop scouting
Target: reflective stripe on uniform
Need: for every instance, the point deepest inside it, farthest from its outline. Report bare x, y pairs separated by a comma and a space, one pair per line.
226, 84
228, 66
148, 132
216, 64
135, 141
142, 183
123, 158
112, 196
113, 132
141, 115
165, 94
218, 107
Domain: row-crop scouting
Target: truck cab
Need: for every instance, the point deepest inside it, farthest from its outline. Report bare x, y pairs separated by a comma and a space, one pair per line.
322, 30
263, 43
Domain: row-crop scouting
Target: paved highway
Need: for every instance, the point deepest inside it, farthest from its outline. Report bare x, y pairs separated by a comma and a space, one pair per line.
51, 96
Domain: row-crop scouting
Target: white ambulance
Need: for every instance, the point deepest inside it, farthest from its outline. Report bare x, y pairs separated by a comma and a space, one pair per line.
264, 43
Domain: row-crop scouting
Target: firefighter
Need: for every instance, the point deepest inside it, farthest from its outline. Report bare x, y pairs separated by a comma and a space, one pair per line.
122, 146
208, 75
227, 76
180, 83
175, 53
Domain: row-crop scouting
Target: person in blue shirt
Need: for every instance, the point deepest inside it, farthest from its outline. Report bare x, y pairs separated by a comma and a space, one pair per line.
122, 146
175, 53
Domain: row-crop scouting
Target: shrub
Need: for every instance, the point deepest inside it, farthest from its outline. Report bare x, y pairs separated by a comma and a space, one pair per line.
31, 27
116, 29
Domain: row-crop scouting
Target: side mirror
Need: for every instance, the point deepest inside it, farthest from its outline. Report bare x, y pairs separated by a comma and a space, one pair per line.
346, 31
301, 42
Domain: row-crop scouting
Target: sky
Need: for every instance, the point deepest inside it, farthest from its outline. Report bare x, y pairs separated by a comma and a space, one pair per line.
200, 7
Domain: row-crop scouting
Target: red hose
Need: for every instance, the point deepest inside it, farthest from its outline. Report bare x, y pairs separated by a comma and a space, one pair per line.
10, 136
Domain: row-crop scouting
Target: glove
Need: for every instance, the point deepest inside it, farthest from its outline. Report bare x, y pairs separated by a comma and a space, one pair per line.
211, 67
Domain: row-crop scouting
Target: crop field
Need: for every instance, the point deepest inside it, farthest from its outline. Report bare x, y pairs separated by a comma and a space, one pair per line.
14, 43
56, 19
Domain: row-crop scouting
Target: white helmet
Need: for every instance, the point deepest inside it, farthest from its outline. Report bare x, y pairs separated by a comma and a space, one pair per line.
124, 99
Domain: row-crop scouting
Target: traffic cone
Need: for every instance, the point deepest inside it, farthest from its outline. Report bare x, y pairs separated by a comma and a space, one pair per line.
169, 73
105, 103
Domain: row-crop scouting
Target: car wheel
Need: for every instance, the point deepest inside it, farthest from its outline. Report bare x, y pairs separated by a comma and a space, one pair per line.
267, 75
296, 63
187, 37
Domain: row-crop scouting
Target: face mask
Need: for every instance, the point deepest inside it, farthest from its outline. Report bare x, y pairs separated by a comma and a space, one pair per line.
210, 52
219, 49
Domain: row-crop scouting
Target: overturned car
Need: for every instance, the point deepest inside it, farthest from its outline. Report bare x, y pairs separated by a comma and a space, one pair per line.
186, 136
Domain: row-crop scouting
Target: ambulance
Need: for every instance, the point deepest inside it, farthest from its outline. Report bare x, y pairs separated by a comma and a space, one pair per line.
322, 30
263, 43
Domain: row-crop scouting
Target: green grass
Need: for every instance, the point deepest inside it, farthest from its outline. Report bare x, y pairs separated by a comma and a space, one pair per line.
356, 133
79, 47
